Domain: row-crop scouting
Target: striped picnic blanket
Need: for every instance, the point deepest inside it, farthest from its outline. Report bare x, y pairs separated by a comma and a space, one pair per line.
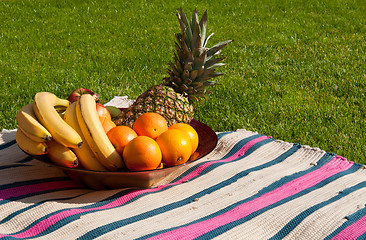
250, 186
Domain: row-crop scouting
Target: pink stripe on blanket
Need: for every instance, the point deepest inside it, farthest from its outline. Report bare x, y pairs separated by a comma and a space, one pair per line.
334, 166
46, 223
39, 187
352, 231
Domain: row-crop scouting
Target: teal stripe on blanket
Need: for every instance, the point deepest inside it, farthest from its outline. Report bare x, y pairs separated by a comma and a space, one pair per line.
30, 207
293, 223
220, 135
353, 218
26, 159
14, 166
362, 237
8, 144
29, 183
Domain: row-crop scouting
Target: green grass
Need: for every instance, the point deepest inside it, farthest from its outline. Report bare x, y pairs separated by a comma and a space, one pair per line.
296, 70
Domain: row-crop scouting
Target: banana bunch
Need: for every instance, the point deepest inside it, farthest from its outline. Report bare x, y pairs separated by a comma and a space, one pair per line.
68, 133
41, 130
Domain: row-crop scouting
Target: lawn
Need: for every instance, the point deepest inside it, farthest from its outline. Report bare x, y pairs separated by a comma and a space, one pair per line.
295, 71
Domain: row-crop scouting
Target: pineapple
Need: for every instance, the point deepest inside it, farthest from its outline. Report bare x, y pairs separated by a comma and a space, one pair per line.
188, 76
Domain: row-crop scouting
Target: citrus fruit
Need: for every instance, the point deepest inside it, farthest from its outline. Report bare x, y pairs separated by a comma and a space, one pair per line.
108, 125
120, 136
190, 132
175, 147
150, 124
142, 153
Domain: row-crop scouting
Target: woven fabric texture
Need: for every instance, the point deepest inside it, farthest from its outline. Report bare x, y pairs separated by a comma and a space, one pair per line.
250, 186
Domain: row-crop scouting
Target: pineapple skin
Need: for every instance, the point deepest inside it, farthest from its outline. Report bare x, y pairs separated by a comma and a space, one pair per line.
174, 107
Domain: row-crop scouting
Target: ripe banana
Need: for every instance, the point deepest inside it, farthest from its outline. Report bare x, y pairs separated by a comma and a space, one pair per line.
28, 145
85, 155
44, 107
28, 122
61, 155
95, 135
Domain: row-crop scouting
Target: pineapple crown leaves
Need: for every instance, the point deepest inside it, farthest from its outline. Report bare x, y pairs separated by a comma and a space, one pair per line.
194, 64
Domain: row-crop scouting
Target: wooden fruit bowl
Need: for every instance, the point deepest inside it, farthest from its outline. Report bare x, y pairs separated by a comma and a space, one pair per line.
140, 179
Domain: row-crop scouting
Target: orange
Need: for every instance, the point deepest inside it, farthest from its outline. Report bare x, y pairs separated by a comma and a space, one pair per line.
142, 153
150, 124
108, 125
175, 147
120, 136
190, 132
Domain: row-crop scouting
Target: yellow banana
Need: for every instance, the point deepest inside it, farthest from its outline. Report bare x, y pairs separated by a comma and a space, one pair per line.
30, 125
85, 155
95, 135
28, 145
61, 155
44, 107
